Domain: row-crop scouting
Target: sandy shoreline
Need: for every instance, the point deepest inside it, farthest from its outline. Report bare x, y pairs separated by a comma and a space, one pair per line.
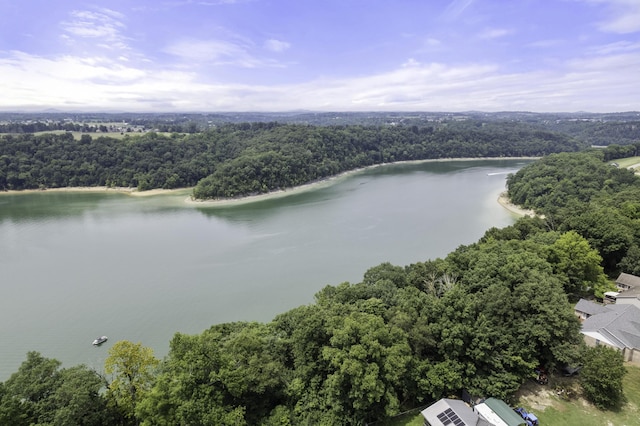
121, 190
270, 195
330, 181
504, 201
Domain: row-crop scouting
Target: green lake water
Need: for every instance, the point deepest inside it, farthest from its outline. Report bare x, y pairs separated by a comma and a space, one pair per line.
74, 266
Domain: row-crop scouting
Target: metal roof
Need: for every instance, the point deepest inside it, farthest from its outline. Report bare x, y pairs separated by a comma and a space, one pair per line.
506, 413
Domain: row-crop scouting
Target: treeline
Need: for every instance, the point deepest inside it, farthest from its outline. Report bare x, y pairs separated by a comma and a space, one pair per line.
58, 161
97, 127
600, 133
243, 159
481, 319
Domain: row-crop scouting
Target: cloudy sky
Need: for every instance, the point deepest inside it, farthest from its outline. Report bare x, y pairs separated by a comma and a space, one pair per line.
324, 55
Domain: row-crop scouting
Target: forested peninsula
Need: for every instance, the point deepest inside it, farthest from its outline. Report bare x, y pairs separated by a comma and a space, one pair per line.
480, 320
235, 160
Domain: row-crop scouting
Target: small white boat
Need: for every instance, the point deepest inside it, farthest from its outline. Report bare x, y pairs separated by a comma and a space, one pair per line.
99, 341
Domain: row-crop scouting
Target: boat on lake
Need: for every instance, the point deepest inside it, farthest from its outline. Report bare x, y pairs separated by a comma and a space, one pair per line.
99, 341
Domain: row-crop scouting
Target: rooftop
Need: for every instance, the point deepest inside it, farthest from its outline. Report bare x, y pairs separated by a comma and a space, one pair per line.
629, 280
590, 308
619, 325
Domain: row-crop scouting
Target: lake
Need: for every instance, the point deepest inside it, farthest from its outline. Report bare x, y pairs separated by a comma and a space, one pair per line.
78, 265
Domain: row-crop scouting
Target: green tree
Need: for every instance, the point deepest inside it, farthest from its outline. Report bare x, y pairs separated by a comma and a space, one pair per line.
230, 374
601, 377
132, 367
27, 391
606, 229
578, 266
367, 361
41, 393
631, 262
79, 400
187, 390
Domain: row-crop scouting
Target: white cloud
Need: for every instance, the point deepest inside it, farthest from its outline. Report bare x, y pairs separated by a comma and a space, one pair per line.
92, 24
492, 33
432, 42
617, 47
624, 24
543, 44
103, 25
171, 4
193, 52
456, 8
624, 16
276, 45
84, 83
199, 51
597, 83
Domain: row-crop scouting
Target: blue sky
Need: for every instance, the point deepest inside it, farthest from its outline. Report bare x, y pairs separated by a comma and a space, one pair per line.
322, 55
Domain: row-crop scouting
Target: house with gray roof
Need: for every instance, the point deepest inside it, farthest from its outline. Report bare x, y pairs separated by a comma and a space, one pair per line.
629, 290
617, 326
626, 282
585, 309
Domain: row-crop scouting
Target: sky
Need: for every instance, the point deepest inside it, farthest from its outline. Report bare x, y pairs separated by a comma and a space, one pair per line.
320, 55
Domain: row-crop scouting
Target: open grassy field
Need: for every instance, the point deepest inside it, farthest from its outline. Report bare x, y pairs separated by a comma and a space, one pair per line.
571, 409
553, 406
630, 162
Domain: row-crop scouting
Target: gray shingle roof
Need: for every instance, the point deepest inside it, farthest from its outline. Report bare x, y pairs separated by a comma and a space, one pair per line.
633, 292
628, 279
590, 308
620, 324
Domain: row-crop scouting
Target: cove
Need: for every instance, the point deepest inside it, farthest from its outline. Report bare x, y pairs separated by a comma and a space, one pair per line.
76, 266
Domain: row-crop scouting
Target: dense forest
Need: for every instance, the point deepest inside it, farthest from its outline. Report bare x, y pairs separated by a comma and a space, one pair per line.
252, 158
481, 319
581, 192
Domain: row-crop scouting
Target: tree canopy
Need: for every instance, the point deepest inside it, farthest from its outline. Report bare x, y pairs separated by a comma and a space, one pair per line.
41, 393
133, 369
581, 192
602, 375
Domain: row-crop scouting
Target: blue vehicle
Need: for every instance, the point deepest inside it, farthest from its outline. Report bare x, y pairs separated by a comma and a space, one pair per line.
530, 418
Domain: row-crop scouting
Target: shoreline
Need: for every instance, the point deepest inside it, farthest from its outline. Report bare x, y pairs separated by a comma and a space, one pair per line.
220, 202
322, 183
504, 201
118, 189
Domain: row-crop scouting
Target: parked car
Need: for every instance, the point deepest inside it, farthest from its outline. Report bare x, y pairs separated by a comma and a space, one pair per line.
530, 418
